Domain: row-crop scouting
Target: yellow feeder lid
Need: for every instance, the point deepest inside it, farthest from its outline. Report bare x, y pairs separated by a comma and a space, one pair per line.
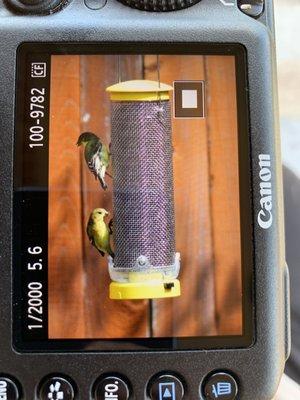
139, 90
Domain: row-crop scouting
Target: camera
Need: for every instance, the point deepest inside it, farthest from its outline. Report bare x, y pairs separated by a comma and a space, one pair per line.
142, 251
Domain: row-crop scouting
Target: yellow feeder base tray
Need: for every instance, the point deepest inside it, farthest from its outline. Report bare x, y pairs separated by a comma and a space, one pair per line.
143, 286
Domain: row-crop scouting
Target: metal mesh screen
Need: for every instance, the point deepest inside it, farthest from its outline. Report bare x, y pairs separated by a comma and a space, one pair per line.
144, 222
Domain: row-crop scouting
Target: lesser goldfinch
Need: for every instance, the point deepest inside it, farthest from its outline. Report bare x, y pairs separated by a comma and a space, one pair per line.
99, 233
97, 155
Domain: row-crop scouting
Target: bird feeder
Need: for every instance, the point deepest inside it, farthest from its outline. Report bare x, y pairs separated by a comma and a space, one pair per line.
146, 265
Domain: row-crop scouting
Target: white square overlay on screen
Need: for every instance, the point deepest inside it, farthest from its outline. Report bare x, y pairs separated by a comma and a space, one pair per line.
189, 99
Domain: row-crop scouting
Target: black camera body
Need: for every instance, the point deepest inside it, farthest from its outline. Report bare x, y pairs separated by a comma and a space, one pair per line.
224, 366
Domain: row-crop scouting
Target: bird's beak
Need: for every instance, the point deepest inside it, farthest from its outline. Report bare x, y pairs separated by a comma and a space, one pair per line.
107, 213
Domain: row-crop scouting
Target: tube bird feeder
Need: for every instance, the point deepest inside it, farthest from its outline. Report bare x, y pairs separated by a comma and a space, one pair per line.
146, 265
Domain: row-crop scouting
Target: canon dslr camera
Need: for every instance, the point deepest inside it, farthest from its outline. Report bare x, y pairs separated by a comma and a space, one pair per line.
142, 252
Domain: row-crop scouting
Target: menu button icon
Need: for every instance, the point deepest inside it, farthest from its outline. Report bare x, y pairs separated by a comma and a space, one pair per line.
8, 389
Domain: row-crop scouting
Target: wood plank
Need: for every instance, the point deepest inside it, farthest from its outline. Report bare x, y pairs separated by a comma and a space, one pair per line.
194, 312
223, 139
104, 318
66, 311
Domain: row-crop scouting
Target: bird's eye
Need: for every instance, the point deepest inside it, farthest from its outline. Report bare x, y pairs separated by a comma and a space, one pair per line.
99, 212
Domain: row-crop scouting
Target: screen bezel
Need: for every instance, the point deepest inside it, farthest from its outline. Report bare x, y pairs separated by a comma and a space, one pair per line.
44, 51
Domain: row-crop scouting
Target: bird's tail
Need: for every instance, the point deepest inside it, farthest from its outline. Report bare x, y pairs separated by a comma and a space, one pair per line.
103, 183
108, 174
111, 253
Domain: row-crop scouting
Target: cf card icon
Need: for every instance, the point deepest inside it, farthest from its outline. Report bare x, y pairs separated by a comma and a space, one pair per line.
38, 70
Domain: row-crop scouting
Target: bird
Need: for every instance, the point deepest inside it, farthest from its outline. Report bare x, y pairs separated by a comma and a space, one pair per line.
97, 155
99, 233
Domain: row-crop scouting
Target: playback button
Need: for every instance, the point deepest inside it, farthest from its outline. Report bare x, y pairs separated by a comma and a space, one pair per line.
166, 387
111, 388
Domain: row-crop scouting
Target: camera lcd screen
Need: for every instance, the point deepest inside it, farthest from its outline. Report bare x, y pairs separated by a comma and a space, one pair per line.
132, 200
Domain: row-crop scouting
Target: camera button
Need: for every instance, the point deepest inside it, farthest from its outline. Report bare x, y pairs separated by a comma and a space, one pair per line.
253, 8
37, 7
95, 4
8, 389
56, 387
220, 385
111, 387
165, 387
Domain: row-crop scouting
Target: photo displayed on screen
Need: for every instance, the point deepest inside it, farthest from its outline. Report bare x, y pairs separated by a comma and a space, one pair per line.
144, 233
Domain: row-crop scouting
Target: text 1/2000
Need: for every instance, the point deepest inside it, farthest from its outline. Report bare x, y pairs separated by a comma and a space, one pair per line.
35, 289
35, 304
37, 113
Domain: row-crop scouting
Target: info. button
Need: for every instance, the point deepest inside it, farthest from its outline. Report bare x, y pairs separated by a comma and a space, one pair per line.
111, 388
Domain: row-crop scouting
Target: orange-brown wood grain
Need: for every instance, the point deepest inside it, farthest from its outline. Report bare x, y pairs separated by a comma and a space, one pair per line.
206, 204
104, 318
223, 139
66, 290
193, 313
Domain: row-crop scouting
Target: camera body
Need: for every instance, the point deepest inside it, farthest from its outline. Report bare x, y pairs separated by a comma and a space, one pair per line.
113, 28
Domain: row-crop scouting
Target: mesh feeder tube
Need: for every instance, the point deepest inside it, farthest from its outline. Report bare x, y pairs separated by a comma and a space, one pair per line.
146, 265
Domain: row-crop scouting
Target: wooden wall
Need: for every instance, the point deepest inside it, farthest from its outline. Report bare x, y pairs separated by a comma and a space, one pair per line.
206, 204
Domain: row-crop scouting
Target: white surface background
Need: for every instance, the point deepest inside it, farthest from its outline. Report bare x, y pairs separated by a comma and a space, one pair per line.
287, 14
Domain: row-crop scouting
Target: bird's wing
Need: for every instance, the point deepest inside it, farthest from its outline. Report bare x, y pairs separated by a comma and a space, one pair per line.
110, 226
95, 162
89, 231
